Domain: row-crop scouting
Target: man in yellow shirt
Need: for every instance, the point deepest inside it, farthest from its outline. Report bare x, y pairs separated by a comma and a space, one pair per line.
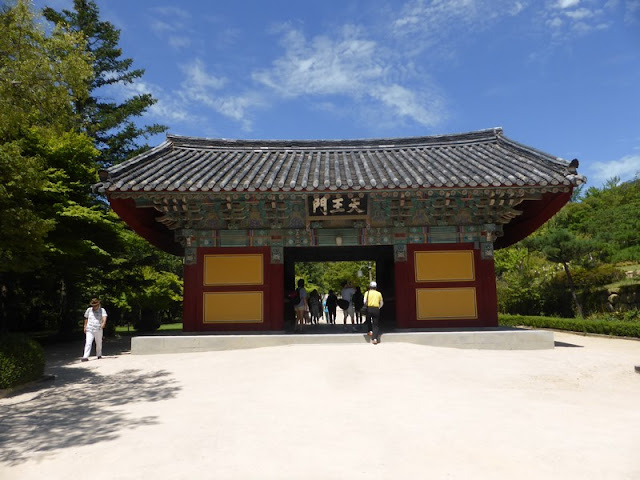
373, 301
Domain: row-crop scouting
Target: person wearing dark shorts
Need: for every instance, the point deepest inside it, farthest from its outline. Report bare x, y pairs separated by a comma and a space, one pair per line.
373, 301
332, 305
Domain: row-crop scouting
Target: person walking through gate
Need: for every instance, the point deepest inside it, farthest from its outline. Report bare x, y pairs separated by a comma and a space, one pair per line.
315, 307
358, 302
332, 305
95, 319
301, 307
373, 301
346, 293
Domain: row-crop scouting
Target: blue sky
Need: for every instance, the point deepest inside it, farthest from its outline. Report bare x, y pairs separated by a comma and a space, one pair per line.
562, 76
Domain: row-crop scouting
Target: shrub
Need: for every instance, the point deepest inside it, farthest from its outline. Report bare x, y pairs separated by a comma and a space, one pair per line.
600, 275
621, 328
21, 360
624, 316
556, 296
519, 294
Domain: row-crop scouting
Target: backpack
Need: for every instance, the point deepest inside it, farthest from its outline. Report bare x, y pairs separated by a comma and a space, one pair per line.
294, 297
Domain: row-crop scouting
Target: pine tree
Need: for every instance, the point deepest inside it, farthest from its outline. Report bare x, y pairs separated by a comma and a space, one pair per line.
110, 124
45, 163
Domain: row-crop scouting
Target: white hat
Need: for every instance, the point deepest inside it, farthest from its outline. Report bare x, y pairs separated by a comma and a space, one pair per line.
373, 285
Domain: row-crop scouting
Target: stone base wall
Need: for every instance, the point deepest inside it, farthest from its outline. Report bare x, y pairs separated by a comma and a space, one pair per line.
625, 298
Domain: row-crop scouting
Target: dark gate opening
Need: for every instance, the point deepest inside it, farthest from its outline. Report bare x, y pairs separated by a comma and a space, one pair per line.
382, 255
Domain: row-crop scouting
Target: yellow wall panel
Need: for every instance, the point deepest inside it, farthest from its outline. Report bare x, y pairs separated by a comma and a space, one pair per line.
233, 307
444, 266
233, 270
446, 303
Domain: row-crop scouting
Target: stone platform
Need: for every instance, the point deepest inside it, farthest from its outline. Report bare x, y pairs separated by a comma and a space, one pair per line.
487, 339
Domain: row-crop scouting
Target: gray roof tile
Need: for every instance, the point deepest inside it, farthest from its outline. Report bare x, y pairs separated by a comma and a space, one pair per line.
478, 159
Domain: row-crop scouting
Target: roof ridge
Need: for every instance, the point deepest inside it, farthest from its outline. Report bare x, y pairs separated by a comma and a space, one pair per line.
373, 143
535, 151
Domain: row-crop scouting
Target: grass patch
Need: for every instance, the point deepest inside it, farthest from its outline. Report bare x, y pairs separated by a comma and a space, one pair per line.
165, 327
599, 325
620, 283
628, 268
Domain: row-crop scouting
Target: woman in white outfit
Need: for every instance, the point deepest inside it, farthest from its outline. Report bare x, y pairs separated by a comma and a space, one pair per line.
95, 319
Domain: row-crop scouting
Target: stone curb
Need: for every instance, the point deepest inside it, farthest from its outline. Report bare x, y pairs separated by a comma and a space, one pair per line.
6, 392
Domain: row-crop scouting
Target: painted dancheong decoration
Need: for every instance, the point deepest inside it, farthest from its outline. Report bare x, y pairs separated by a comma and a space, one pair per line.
434, 199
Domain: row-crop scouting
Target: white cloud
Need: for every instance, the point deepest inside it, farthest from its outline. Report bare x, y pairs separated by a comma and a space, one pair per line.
197, 77
205, 89
172, 12
516, 8
171, 24
347, 64
178, 42
160, 27
632, 12
626, 168
555, 22
437, 24
567, 3
166, 109
569, 18
580, 13
323, 67
408, 104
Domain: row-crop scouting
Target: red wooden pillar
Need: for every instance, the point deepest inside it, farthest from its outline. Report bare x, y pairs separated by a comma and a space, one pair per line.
191, 298
488, 298
403, 292
276, 300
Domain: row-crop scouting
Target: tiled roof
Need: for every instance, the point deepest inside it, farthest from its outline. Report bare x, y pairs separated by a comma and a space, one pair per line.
471, 160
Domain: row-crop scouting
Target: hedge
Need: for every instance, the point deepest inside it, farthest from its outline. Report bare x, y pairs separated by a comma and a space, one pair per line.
620, 328
21, 360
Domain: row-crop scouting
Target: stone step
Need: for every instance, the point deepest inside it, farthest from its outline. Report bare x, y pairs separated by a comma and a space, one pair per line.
488, 339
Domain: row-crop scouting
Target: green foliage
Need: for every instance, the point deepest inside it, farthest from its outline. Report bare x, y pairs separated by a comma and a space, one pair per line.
59, 243
597, 276
510, 259
325, 276
560, 245
111, 125
22, 228
40, 76
627, 316
610, 217
142, 279
622, 328
521, 277
601, 225
21, 360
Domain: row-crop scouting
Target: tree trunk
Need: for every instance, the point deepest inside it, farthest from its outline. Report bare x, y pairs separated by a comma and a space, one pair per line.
4, 324
573, 289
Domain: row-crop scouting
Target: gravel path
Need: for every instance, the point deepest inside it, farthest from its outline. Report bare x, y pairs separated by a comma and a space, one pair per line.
391, 411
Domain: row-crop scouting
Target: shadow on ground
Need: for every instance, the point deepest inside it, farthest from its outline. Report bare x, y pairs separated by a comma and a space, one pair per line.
564, 344
80, 407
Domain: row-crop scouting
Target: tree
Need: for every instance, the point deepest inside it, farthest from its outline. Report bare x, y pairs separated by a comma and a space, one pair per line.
561, 246
610, 216
130, 262
59, 243
110, 124
41, 76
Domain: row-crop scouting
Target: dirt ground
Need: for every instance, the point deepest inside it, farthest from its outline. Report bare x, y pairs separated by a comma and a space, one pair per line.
331, 412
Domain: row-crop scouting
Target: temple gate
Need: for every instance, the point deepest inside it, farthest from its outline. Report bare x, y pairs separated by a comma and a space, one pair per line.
428, 210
